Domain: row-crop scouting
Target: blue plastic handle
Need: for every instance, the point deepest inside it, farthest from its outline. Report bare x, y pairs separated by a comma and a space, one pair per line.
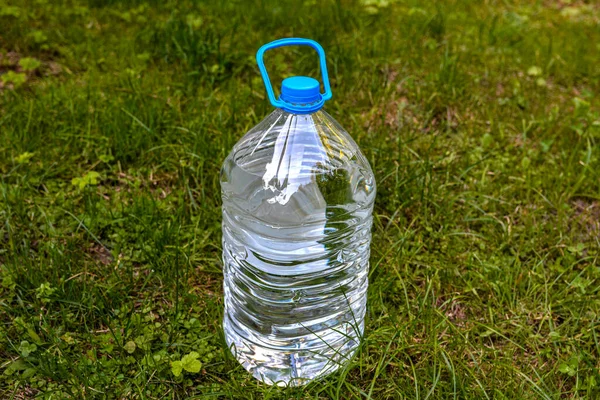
291, 42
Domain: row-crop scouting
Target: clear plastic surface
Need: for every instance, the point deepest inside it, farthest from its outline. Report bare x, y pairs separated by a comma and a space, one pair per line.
297, 211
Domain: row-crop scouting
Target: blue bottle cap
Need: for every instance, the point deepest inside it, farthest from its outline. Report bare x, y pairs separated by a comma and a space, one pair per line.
300, 90
299, 94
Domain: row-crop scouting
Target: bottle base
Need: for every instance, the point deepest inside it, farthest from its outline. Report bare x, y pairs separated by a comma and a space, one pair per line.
293, 365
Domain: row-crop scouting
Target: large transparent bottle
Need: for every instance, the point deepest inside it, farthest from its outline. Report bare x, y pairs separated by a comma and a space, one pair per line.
297, 202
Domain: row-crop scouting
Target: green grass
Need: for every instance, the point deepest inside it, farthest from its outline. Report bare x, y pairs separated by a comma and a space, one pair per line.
481, 121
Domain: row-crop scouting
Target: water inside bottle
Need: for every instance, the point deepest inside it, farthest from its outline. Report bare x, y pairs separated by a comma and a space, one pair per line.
297, 202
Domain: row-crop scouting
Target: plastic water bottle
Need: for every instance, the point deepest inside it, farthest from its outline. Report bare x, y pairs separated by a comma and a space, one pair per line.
297, 211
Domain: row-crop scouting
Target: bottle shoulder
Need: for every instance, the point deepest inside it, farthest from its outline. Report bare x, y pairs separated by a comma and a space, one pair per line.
308, 143
291, 170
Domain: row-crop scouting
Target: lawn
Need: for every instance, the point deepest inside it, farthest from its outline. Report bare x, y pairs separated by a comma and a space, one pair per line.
481, 121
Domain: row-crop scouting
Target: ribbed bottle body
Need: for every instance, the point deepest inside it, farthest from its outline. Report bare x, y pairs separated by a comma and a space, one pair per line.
297, 211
